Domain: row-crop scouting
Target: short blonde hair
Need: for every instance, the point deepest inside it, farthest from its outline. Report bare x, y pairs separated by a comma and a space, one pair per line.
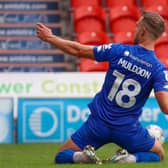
154, 23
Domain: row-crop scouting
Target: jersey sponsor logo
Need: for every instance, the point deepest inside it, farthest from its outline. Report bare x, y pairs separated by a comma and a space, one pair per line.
128, 54
134, 68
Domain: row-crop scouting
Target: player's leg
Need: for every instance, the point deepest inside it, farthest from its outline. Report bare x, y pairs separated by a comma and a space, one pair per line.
143, 147
122, 156
71, 153
156, 154
158, 148
74, 151
69, 144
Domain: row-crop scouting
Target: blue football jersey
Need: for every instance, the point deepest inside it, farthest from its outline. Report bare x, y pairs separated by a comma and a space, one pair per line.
133, 72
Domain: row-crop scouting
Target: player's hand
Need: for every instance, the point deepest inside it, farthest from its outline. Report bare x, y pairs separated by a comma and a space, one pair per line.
43, 32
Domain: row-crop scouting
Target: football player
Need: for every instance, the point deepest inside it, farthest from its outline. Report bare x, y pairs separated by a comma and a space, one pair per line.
134, 70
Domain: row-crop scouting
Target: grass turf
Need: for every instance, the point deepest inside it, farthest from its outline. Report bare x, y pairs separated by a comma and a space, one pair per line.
41, 156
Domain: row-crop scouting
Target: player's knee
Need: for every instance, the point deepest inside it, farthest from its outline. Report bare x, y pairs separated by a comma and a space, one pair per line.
161, 153
158, 149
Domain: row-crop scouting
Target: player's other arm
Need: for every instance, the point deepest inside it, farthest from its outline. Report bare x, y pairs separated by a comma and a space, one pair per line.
162, 98
71, 47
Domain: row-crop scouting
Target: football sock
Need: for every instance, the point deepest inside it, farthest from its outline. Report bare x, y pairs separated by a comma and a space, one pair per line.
65, 156
70, 156
81, 157
147, 157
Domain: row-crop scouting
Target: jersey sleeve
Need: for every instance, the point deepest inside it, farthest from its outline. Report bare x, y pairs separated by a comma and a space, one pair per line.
161, 81
106, 52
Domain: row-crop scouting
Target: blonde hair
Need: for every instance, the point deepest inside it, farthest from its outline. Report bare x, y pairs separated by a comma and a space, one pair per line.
154, 23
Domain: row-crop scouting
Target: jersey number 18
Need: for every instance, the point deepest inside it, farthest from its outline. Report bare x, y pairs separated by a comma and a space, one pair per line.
118, 95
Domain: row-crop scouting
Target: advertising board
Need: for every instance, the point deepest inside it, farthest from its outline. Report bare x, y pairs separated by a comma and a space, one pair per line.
50, 120
6, 120
55, 120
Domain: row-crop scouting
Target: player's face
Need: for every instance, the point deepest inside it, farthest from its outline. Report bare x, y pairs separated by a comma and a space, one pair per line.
137, 37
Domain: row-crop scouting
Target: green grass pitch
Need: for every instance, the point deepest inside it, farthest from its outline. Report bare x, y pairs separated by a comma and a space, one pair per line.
41, 156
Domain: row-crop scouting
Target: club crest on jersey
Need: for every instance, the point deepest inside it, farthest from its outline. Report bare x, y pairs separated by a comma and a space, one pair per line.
166, 75
104, 47
166, 86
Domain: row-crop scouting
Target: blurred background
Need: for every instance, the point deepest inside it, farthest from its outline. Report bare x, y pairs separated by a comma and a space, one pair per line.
44, 92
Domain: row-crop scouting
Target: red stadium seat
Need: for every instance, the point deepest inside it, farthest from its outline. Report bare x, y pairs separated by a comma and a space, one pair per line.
148, 3
87, 65
160, 9
161, 46
112, 3
164, 61
77, 3
93, 38
123, 18
124, 37
89, 18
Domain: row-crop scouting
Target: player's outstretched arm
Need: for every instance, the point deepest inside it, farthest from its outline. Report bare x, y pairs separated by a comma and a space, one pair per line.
162, 98
71, 47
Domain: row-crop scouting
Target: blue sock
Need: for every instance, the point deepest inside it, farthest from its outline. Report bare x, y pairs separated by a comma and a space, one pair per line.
65, 156
147, 157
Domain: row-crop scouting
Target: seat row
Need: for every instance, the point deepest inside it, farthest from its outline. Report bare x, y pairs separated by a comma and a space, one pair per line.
91, 21
120, 18
112, 3
98, 38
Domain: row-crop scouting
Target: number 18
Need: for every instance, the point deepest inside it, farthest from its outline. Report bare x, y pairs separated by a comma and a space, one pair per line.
118, 95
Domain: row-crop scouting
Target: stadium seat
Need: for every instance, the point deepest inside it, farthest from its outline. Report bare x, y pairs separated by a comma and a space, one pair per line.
112, 3
160, 9
148, 3
161, 46
123, 18
89, 18
93, 38
164, 61
124, 37
88, 65
77, 3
